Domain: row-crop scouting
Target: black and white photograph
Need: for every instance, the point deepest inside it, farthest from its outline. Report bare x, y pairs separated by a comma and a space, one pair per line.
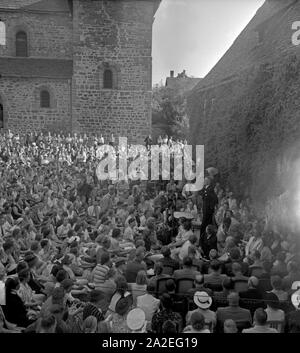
149, 171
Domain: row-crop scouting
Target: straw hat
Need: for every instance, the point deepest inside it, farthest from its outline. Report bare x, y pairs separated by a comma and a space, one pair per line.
136, 319
202, 300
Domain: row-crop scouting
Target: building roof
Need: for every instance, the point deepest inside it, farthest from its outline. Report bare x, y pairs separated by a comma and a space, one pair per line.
246, 51
49, 5
36, 67
36, 5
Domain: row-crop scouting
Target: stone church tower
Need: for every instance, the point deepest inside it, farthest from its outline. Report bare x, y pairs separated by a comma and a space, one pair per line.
77, 65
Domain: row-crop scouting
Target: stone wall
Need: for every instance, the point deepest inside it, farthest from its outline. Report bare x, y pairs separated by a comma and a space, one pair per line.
247, 115
115, 35
21, 101
49, 35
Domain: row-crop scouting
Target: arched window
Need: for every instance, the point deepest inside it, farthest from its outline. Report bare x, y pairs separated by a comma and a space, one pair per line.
108, 79
2, 33
1, 115
45, 99
21, 44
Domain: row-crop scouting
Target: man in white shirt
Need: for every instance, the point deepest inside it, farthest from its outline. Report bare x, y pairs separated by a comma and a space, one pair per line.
129, 231
148, 303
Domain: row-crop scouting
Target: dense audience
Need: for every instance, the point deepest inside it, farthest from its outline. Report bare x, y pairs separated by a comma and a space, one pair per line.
87, 256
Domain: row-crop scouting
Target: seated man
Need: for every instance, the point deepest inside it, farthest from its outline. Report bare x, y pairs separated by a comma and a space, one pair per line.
233, 311
260, 323
187, 271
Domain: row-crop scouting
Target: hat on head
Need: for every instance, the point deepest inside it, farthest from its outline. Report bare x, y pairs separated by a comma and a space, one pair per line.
29, 258
136, 319
67, 283
120, 261
123, 306
202, 300
295, 285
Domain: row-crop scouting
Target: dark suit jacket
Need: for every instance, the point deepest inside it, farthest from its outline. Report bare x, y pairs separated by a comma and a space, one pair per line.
185, 273
209, 198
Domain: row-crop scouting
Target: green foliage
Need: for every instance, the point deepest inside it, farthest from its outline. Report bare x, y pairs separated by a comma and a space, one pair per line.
262, 125
169, 110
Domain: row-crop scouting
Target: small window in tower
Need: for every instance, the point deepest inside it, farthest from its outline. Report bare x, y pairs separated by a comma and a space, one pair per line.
1, 116
21, 44
45, 99
108, 79
2, 33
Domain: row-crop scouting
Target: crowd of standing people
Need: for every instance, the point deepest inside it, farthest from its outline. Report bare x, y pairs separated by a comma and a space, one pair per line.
82, 255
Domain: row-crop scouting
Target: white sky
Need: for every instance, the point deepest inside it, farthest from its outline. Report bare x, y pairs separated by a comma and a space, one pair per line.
194, 34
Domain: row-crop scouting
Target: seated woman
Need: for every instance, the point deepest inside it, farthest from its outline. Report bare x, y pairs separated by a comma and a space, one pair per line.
25, 292
15, 310
140, 286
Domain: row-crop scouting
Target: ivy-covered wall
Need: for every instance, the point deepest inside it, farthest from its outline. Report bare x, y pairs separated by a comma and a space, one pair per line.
248, 124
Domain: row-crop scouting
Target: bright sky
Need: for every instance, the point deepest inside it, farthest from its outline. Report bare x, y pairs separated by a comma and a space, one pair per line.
194, 34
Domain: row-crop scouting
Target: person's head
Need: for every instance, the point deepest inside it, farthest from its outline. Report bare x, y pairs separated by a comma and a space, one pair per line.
67, 285
24, 275
226, 223
166, 252
256, 255
47, 324
233, 299
57, 310
123, 305
141, 278
2, 271
169, 327
120, 264
116, 233
96, 296
187, 225
121, 284
207, 181
187, 262
260, 317
227, 284
197, 321
151, 288
140, 254
105, 258
292, 267
132, 222
11, 284
235, 254
45, 244
272, 301
21, 266
111, 190
90, 324
280, 256
35, 247
166, 302
8, 246
170, 285
31, 260
236, 268
210, 229
215, 266
230, 326
199, 280
61, 275
158, 268
253, 282
213, 254
276, 282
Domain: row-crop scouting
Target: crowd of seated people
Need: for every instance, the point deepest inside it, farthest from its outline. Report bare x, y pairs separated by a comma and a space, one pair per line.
82, 255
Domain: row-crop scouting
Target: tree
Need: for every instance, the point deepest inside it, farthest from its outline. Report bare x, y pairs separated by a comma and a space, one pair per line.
169, 111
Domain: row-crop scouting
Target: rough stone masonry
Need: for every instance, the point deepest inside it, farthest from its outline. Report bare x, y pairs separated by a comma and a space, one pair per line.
66, 47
